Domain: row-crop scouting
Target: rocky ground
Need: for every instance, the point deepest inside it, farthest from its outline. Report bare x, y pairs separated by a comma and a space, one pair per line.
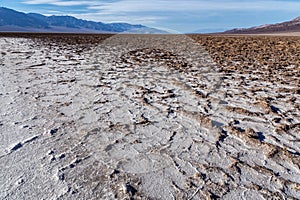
149, 117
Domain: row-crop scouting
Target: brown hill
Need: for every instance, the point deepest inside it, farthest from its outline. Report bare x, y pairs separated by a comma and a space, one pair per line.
284, 27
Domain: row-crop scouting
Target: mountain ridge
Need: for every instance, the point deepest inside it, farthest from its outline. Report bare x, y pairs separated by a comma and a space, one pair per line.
282, 27
12, 20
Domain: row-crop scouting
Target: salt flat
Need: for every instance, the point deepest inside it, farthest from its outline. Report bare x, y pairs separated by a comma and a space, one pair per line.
144, 117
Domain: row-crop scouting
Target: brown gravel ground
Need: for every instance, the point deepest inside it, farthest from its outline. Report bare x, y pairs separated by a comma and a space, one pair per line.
252, 51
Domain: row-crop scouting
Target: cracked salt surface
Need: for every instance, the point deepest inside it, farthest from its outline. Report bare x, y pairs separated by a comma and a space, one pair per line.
137, 117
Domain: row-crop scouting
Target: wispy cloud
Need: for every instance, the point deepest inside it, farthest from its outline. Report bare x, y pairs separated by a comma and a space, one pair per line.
173, 5
62, 2
40, 2
136, 19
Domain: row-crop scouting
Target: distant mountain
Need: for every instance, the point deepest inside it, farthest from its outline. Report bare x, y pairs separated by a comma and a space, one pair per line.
10, 17
11, 20
284, 27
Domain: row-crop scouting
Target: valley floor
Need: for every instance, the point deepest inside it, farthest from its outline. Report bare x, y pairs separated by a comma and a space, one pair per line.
149, 117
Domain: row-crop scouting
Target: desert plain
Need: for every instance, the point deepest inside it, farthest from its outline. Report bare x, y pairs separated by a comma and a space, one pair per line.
149, 116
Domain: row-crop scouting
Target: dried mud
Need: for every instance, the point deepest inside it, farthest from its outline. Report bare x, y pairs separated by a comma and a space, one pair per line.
149, 117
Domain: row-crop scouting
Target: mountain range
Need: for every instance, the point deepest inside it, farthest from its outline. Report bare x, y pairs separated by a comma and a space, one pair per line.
284, 27
14, 21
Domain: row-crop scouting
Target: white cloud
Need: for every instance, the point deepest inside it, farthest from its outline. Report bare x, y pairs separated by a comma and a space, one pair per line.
118, 18
62, 2
40, 1
174, 5
75, 3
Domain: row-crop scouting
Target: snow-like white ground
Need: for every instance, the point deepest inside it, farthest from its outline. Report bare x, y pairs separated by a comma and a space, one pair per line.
143, 117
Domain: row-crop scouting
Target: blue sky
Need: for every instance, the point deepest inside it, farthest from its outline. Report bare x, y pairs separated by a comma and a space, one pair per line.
176, 15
